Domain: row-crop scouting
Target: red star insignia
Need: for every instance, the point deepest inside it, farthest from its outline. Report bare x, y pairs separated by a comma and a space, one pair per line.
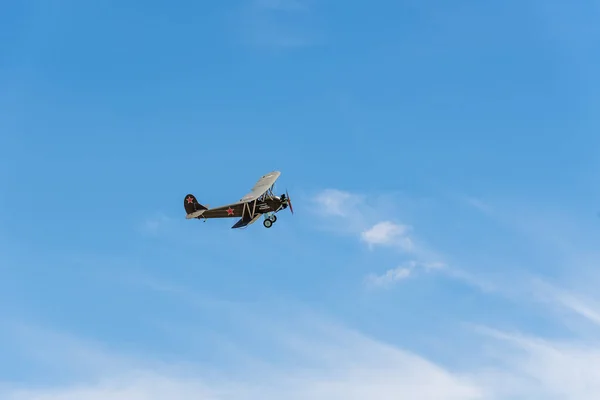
230, 211
190, 200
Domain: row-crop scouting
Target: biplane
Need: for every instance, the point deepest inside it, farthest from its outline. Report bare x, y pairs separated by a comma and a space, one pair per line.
259, 201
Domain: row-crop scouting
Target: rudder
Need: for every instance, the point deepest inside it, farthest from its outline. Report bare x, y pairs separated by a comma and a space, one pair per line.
191, 205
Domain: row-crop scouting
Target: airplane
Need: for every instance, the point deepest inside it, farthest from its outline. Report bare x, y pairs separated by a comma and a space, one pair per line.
259, 201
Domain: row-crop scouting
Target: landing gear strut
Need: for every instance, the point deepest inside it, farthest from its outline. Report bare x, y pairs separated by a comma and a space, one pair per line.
269, 220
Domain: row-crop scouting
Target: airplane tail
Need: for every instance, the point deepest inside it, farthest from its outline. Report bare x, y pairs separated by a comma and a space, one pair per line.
193, 209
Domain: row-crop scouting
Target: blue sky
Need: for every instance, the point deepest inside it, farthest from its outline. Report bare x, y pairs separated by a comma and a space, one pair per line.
442, 159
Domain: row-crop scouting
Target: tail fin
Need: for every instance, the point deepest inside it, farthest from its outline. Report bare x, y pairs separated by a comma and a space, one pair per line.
192, 206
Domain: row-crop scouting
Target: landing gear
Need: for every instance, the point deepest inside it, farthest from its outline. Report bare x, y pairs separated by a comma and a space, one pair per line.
269, 220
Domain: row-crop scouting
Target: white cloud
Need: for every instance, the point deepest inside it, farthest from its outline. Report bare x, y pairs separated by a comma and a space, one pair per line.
388, 233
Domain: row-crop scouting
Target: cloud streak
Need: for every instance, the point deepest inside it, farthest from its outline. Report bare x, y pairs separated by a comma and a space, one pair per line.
390, 276
400, 273
320, 359
335, 362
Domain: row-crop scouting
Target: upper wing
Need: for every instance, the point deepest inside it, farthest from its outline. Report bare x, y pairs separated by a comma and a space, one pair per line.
263, 184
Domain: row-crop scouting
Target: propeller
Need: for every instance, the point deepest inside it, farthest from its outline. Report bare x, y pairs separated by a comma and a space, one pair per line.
289, 201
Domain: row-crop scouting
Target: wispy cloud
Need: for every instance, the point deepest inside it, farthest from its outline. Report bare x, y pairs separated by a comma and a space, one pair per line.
352, 214
334, 202
319, 359
336, 362
390, 276
563, 299
400, 273
562, 278
301, 356
388, 233
542, 368
307, 357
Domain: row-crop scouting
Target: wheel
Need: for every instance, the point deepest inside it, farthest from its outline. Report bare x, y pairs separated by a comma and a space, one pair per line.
273, 218
267, 223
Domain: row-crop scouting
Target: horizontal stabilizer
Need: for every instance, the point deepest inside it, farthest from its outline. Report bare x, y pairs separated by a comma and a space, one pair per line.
195, 214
